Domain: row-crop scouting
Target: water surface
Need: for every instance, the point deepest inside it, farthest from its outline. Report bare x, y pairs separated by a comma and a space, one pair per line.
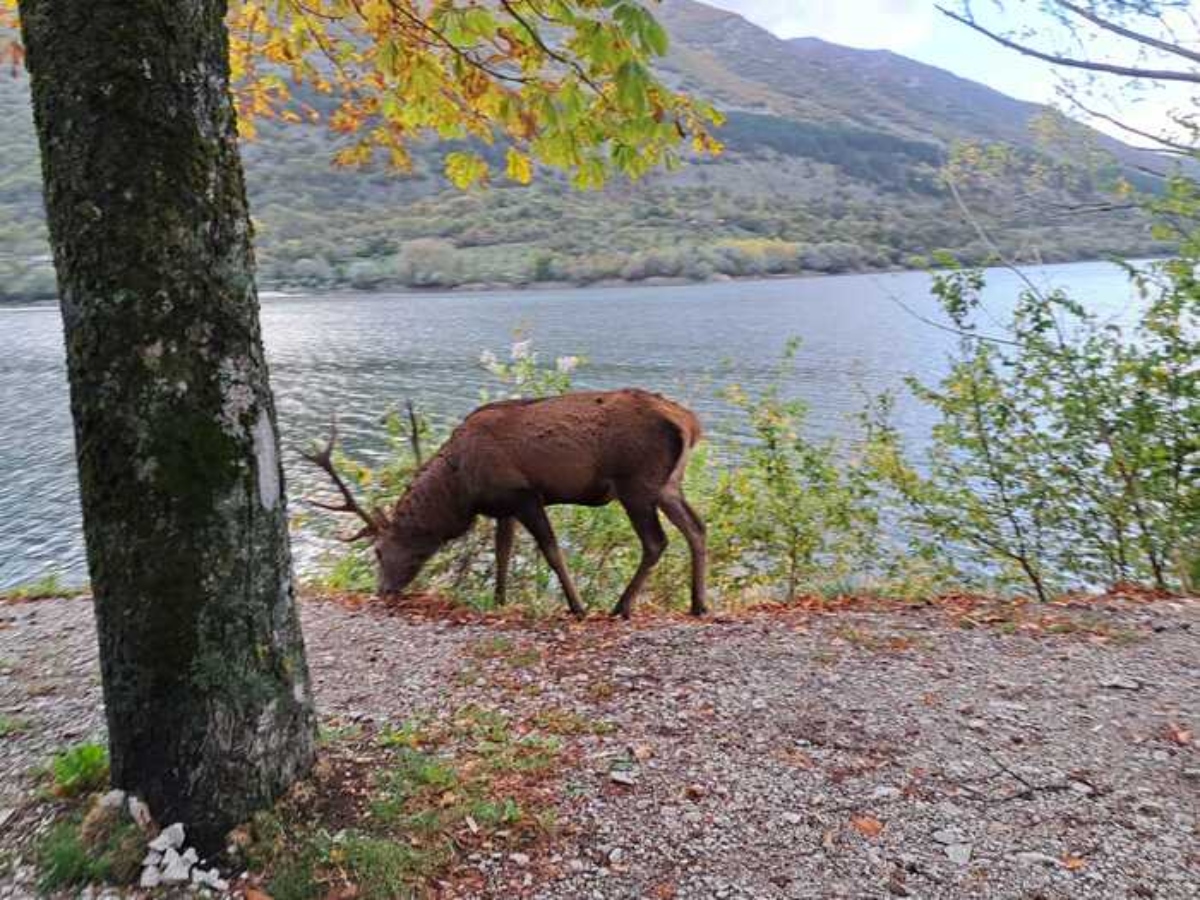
362, 355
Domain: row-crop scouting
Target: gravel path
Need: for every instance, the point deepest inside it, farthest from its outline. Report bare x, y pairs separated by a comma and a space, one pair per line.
865, 752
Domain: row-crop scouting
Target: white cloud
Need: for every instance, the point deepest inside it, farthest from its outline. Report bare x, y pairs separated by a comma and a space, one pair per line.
894, 24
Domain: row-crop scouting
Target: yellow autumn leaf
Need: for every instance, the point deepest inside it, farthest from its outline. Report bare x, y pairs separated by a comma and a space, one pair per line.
465, 169
520, 168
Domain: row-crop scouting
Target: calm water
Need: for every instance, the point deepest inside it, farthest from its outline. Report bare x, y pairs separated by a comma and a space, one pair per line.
364, 354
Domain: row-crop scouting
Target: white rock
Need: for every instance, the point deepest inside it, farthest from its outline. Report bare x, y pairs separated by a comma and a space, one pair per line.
209, 879
153, 858
947, 836
151, 877
140, 813
113, 799
175, 869
793, 818
191, 856
623, 776
885, 792
519, 859
170, 837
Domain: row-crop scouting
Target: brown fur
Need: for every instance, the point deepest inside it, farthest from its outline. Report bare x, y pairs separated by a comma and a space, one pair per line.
509, 460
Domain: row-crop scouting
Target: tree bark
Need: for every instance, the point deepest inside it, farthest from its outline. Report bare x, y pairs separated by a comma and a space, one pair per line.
206, 687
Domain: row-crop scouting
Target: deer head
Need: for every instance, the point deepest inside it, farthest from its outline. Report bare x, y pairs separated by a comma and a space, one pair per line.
399, 552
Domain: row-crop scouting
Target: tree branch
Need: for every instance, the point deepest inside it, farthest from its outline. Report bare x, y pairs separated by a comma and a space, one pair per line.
1146, 39
1054, 59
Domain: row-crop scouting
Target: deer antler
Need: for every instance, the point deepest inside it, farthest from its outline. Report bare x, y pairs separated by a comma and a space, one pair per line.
323, 459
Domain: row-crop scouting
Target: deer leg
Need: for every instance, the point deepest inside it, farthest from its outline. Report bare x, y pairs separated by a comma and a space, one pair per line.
505, 532
683, 517
654, 541
537, 523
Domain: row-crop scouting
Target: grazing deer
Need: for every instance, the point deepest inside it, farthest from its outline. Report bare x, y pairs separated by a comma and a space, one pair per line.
512, 459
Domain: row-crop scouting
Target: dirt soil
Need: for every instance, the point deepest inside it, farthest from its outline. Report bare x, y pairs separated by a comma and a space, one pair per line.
856, 750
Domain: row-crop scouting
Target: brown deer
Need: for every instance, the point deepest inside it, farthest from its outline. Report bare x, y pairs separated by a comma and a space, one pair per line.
512, 459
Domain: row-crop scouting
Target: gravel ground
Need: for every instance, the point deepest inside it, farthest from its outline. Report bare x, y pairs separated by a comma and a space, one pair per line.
871, 751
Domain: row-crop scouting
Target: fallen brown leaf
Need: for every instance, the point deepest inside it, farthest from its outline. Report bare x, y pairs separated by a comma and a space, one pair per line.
1177, 734
1074, 863
868, 826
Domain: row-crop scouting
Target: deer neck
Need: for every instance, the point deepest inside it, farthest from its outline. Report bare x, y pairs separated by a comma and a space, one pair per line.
435, 506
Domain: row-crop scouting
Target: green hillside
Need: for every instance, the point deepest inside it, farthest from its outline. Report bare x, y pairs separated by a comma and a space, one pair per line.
831, 166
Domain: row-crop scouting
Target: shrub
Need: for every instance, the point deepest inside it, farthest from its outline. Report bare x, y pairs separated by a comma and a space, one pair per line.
80, 770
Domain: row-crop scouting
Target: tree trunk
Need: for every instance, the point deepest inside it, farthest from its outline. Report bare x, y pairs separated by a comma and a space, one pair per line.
206, 687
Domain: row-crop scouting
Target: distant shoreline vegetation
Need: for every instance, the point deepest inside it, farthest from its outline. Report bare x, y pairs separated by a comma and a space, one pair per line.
752, 261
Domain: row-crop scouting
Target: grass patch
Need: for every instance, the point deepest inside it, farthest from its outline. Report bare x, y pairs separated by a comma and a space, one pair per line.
80, 770
43, 588
388, 815
69, 856
382, 869
568, 722
11, 725
505, 649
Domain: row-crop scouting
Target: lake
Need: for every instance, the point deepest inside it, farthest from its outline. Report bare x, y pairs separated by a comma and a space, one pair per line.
363, 354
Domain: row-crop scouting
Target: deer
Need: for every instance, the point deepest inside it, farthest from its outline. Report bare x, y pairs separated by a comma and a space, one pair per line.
511, 459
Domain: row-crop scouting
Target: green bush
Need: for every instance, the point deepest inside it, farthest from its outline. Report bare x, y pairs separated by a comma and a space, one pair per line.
80, 770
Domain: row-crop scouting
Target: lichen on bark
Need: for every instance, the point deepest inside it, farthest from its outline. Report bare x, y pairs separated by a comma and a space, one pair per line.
206, 688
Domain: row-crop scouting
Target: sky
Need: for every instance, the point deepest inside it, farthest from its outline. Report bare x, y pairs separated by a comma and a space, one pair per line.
916, 29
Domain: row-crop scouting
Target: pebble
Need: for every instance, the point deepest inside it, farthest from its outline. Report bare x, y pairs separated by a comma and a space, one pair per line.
1121, 683
519, 859
947, 836
1032, 857
959, 853
623, 776
793, 818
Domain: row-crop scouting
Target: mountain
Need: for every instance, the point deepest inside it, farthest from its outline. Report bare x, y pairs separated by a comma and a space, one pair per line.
832, 164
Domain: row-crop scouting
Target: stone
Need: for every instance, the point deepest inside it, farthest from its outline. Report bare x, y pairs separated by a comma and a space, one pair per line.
615, 855
947, 836
885, 792
1121, 683
210, 878
959, 853
151, 877
1033, 858
152, 858
114, 799
170, 838
623, 776
519, 859
140, 813
175, 869
793, 818
191, 855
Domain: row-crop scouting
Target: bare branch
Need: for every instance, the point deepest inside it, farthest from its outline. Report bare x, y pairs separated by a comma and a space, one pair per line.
1168, 146
1108, 68
1146, 39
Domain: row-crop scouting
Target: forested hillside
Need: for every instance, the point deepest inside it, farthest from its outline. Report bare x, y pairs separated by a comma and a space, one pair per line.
832, 165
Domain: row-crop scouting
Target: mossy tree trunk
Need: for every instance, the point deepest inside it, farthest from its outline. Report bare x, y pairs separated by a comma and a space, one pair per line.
205, 683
